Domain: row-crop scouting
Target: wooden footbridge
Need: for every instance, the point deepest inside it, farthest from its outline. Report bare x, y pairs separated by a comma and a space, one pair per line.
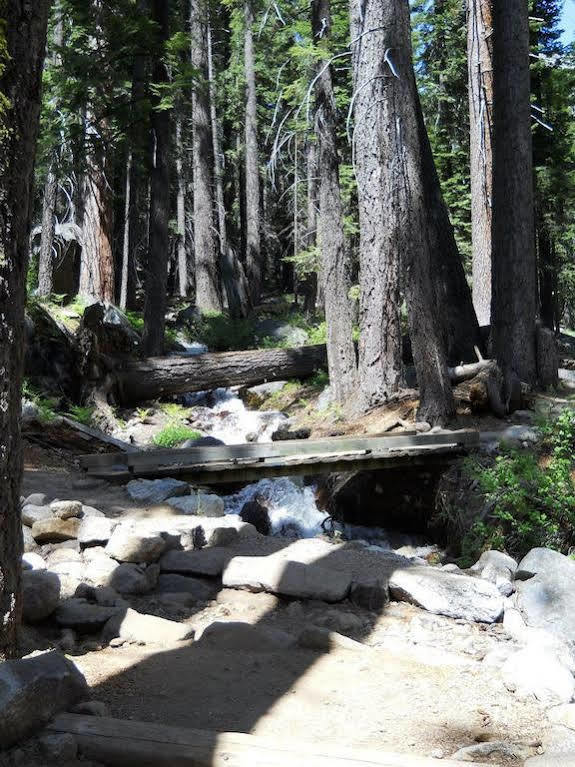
251, 462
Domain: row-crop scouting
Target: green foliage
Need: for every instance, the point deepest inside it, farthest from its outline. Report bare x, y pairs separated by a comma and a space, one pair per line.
46, 406
221, 333
530, 497
81, 414
174, 434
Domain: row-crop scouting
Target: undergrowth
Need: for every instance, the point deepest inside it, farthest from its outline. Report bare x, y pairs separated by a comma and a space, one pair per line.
174, 434
529, 495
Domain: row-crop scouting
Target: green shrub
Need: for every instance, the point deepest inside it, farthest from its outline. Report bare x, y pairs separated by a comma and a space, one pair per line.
174, 434
81, 414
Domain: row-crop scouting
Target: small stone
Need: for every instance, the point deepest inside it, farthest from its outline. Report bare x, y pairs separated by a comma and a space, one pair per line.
66, 509
31, 514
55, 530
127, 545
58, 747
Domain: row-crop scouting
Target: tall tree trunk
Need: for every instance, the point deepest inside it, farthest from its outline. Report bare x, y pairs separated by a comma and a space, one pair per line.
410, 186
380, 367
310, 286
335, 257
155, 303
253, 256
480, 71
181, 212
22, 55
208, 291
514, 303
126, 265
233, 274
97, 268
50, 198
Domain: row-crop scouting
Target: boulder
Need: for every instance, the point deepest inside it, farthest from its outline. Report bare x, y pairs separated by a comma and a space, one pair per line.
66, 509
533, 671
152, 491
371, 595
210, 562
55, 530
134, 579
28, 539
255, 513
79, 614
112, 333
497, 559
36, 499
33, 691
40, 595
202, 442
33, 561
132, 626
199, 590
450, 594
200, 504
285, 433
545, 562
90, 511
223, 536
95, 531
286, 577
243, 637
31, 514
127, 545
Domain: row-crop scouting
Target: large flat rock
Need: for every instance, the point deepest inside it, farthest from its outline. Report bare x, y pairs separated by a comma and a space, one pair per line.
210, 561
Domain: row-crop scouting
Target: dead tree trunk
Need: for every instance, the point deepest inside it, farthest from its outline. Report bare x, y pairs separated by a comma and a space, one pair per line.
46, 257
253, 258
335, 256
480, 73
22, 54
157, 267
208, 292
514, 306
407, 174
165, 376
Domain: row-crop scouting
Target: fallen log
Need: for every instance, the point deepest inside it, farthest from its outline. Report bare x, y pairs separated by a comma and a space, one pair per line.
484, 391
64, 433
140, 380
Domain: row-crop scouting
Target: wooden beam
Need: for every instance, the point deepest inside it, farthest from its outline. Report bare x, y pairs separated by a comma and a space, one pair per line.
121, 743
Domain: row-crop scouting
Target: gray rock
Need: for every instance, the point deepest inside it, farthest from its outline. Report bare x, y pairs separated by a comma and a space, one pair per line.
210, 562
31, 514
66, 509
288, 578
153, 491
95, 531
127, 545
71, 567
63, 555
90, 511
223, 536
59, 747
134, 579
202, 442
499, 748
199, 590
33, 561
370, 594
81, 615
132, 626
40, 595
498, 559
456, 596
281, 331
534, 671
545, 562
34, 690
28, 539
55, 530
100, 569
243, 637
36, 499
200, 504
91, 708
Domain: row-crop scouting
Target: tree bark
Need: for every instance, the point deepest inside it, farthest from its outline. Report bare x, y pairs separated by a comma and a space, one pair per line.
157, 377
157, 268
416, 223
480, 73
380, 369
514, 301
181, 212
46, 257
208, 291
22, 54
233, 274
335, 257
253, 258
310, 286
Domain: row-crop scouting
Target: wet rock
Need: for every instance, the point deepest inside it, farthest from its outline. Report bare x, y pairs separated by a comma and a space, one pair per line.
95, 531
33, 561
210, 562
255, 396
256, 514
55, 530
534, 671
132, 626
127, 545
40, 595
199, 590
200, 504
33, 690
286, 433
31, 514
81, 615
243, 637
135, 579
66, 509
288, 578
372, 595
202, 442
323, 640
152, 491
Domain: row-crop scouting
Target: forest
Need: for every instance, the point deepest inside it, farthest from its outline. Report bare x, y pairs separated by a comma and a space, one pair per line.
287, 382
